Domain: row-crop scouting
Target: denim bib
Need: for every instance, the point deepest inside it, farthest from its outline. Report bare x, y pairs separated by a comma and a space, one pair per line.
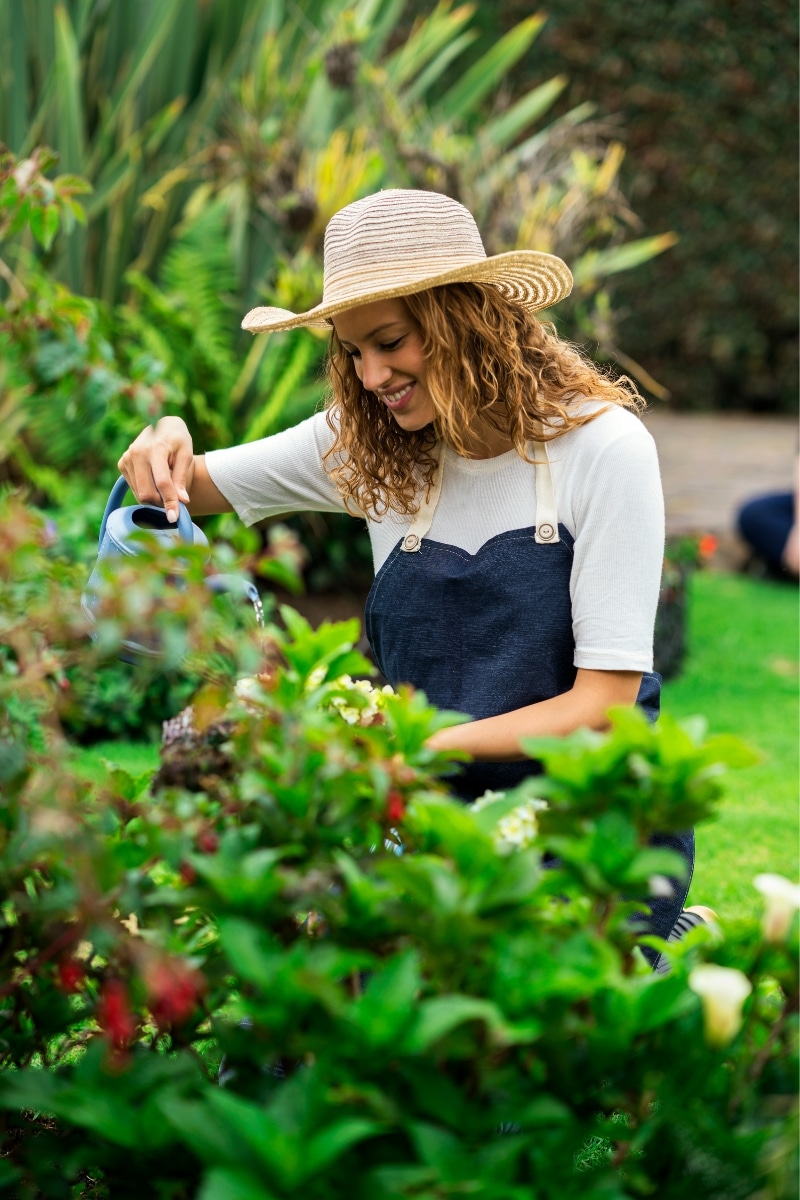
490, 632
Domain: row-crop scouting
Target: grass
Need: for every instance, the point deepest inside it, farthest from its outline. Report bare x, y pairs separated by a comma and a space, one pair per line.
135, 757
742, 674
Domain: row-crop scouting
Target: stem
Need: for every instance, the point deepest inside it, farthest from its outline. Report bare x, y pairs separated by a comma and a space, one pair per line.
17, 289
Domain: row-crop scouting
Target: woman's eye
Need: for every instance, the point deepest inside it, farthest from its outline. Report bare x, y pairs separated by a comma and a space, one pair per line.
391, 345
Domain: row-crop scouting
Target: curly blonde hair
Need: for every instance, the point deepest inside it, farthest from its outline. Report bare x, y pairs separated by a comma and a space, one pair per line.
488, 361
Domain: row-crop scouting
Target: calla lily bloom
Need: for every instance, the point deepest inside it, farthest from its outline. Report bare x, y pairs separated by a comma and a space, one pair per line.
782, 900
723, 991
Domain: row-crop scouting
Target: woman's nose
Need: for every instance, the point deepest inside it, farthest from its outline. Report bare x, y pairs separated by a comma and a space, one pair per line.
375, 371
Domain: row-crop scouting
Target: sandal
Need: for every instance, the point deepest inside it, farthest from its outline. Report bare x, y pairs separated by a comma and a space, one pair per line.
690, 918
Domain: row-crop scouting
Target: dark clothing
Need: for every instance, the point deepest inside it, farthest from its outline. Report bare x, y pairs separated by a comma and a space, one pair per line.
765, 523
490, 632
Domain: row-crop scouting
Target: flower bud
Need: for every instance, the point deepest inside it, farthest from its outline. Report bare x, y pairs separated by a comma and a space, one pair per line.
70, 973
114, 1014
723, 991
173, 990
395, 806
781, 902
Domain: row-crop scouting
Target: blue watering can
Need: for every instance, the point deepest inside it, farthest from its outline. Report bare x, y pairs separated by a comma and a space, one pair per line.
120, 537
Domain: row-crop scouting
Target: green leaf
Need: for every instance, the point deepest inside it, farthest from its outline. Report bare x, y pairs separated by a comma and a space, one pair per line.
662, 999
435, 69
465, 96
44, 224
380, 27
232, 1183
143, 54
437, 31
731, 751
328, 1145
598, 264
67, 100
387, 1004
213, 1141
442, 1014
437, 1147
505, 129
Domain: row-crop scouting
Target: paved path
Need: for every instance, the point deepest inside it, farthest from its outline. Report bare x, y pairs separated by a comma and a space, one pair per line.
712, 462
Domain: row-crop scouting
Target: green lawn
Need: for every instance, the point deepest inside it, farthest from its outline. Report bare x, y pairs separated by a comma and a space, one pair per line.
131, 756
742, 674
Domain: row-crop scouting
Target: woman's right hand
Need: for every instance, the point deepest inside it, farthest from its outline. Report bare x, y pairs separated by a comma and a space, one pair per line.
159, 465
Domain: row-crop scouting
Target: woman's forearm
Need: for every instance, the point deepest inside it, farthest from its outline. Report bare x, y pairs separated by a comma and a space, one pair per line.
204, 495
585, 705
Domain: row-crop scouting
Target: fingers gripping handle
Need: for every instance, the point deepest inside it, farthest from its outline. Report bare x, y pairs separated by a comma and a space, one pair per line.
185, 527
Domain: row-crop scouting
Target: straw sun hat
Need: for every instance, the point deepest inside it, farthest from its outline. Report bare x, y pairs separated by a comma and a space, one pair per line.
400, 241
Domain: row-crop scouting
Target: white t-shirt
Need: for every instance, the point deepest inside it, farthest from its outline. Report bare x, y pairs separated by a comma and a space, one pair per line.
608, 495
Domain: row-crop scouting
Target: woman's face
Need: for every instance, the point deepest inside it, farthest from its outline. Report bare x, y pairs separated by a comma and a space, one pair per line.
385, 345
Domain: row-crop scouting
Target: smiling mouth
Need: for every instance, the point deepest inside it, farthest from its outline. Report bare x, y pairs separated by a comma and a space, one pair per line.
396, 399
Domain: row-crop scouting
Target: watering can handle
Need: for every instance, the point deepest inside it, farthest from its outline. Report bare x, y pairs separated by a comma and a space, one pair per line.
185, 527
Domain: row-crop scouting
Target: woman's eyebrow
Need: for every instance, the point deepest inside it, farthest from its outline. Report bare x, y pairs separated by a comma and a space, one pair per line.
373, 333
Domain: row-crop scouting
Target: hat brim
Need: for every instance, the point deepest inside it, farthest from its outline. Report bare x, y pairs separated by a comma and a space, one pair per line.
527, 277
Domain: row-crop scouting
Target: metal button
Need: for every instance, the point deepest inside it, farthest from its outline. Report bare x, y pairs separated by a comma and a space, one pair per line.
546, 532
410, 542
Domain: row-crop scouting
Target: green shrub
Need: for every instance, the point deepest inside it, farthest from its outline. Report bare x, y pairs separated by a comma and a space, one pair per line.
444, 1020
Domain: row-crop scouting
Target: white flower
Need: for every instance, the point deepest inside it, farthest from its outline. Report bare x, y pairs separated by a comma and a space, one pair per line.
375, 700
517, 829
486, 799
782, 900
316, 677
723, 991
248, 690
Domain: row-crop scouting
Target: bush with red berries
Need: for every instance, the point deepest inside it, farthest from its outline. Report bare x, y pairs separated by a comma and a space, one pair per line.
291, 964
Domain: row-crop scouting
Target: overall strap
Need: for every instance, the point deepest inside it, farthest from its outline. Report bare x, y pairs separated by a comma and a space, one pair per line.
412, 542
546, 513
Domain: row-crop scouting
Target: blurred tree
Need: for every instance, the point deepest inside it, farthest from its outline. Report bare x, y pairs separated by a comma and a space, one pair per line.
705, 92
220, 139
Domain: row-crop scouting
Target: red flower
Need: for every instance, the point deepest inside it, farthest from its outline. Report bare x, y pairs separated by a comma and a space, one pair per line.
395, 806
114, 1014
173, 990
207, 841
707, 546
187, 873
71, 974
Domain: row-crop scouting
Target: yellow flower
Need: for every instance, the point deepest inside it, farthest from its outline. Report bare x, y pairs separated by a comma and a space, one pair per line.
782, 900
723, 991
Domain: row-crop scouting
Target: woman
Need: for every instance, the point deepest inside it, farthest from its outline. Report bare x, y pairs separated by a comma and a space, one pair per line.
512, 496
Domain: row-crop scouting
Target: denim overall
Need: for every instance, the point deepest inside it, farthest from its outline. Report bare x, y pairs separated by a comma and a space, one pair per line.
490, 632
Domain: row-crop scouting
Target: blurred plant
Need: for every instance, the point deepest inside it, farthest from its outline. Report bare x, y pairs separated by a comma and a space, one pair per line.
702, 101
404, 1008
682, 556
63, 394
281, 116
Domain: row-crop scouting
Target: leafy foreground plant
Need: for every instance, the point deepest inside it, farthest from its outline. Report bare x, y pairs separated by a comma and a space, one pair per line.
448, 1020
